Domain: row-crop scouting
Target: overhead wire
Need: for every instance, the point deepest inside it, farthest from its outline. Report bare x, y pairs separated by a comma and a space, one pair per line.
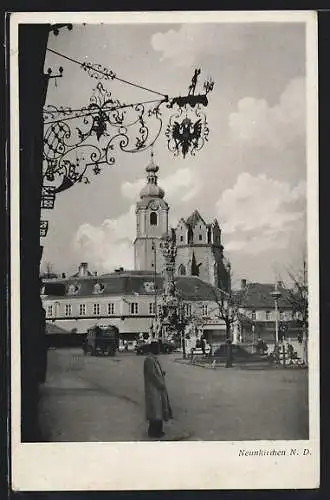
113, 77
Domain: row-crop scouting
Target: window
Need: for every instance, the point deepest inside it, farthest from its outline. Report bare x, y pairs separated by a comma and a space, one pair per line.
200, 237
134, 307
282, 315
187, 309
82, 309
204, 310
49, 310
111, 308
253, 315
152, 308
96, 308
153, 218
267, 315
68, 309
182, 270
181, 238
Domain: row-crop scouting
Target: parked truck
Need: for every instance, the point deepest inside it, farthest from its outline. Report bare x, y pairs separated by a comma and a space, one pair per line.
101, 340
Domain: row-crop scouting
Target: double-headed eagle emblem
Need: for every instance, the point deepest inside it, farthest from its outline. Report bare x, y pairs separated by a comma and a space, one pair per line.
187, 129
186, 135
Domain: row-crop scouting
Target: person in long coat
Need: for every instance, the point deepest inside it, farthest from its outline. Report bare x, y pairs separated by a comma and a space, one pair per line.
158, 408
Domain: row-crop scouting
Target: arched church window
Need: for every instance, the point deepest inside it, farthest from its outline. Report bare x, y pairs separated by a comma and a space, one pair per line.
182, 270
190, 235
153, 219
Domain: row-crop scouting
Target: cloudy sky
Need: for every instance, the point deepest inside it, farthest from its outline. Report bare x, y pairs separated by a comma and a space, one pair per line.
250, 175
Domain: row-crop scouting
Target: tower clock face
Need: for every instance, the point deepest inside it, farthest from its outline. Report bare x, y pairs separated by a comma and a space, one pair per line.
154, 205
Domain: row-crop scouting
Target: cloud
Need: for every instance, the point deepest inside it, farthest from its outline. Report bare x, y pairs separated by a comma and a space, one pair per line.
256, 123
260, 213
182, 185
131, 190
189, 44
109, 245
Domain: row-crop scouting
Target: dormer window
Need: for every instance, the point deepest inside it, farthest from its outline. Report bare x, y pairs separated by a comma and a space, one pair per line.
73, 289
153, 219
98, 288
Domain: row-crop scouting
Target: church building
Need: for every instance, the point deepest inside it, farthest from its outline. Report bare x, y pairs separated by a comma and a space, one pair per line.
151, 223
200, 252
199, 247
131, 299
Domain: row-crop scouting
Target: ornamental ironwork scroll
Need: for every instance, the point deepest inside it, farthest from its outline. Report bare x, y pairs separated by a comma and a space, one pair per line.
75, 140
79, 143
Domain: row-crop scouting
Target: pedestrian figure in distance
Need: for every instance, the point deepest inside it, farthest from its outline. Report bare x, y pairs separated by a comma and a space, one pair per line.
229, 353
203, 346
158, 408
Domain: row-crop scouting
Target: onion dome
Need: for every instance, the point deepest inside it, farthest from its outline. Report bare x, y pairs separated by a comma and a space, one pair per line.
151, 189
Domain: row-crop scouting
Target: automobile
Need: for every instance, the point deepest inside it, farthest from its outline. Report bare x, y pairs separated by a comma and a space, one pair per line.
238, 354
165, 347
198, 351
101, 340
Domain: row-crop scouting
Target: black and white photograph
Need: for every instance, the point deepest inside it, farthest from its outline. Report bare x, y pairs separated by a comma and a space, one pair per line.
164, 269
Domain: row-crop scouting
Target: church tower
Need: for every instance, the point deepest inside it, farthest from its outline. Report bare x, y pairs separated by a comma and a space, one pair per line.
151, 223
200, 251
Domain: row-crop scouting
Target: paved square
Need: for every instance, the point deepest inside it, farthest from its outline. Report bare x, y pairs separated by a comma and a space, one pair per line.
102, 399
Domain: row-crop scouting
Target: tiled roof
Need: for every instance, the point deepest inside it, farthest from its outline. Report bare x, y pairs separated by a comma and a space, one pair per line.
131, 283
193, 288
258, 296
194, 219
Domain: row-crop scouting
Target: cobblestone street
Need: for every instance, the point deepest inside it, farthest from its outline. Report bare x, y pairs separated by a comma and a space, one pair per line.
102, 399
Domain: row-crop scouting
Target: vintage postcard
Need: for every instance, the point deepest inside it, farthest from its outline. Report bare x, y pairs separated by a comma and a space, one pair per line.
164, 251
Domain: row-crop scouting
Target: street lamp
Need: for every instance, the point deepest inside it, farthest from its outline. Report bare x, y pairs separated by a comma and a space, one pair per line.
253, 336
276, 294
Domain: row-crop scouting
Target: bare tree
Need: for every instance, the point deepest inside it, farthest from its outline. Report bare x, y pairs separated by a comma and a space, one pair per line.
297, 296
229, 303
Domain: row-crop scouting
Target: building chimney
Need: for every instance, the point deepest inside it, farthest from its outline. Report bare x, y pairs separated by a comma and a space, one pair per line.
83, 269
243, 284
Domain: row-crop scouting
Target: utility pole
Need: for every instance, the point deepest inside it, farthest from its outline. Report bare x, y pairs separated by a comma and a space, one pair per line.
182, 327
155, 280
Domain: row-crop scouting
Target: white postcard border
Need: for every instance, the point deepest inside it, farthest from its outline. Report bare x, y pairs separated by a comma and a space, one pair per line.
183, 465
